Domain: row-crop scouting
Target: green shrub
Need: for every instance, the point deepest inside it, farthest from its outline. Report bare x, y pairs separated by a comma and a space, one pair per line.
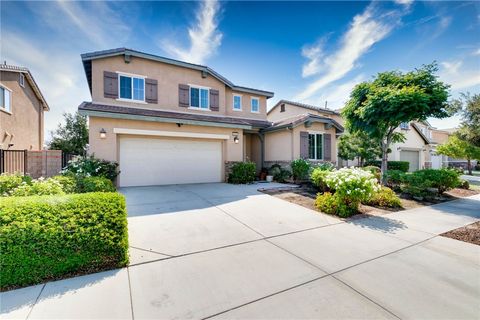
391, 165
395, 178
464, 184
300, 169
9, 182
68, 183
242, 172
91, 167
39, 187
385, 197
327, 203
351, 186
328, 166
46, 237
95, 184
279, 174
318, 177
442, 180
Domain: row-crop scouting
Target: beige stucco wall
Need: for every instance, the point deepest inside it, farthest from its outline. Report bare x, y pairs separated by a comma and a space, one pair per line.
108, 148
290, 111
169, 77
413, 142
279, 145
284, 145
25, 121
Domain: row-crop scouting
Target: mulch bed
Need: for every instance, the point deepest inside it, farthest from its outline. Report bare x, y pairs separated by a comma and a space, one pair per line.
470, 233
305, 194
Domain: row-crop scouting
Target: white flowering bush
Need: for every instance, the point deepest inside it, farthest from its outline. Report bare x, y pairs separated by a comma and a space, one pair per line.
91, 167
39, 187
351, 187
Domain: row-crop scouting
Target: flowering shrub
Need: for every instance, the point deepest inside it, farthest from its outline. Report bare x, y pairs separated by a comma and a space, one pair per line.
327, 203
91, 167
40, 187
318, 177
351, 186
8, 182
69, 184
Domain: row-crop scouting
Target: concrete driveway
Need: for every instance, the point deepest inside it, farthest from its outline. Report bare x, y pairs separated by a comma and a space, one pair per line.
226, 251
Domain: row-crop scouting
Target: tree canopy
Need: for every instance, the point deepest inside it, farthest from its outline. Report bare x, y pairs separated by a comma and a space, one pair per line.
72, 136
468, 107
458, 148
359, 146
379, 106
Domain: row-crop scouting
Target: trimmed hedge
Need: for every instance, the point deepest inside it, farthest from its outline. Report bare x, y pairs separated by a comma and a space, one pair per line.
49, 237
242, 172
391, 165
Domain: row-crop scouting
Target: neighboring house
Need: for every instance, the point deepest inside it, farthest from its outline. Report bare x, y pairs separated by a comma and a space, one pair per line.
301, 131
167, 121
22, 108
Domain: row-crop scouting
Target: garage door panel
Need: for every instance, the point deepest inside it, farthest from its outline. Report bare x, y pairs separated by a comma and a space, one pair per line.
159, 161
413, 157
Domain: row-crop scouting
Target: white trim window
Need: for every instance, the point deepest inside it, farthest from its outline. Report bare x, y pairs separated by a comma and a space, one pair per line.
199, 98
5, 99
315, 146
131, 87
255, 105
404, 126
237, 102
21, 80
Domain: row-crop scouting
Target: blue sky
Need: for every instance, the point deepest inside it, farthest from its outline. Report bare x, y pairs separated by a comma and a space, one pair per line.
311, 52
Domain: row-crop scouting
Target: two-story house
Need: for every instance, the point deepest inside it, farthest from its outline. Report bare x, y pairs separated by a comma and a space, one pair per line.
167, 121
22, 108
301, 131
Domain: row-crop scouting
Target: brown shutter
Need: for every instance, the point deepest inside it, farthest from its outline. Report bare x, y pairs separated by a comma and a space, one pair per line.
303, 144
183, 95
110, 85
214, 100
151, 91
327, 147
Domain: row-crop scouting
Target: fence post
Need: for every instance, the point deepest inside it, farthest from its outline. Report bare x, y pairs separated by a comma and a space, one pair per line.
1, 161
25, 167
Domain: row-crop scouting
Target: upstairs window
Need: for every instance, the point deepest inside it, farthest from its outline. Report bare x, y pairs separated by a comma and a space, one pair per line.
21, 80
199, 97
132, 88
315, 146
255, 105
5, 99
237, 102
404, 126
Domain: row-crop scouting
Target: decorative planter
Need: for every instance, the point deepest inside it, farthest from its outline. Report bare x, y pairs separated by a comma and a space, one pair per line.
269, 178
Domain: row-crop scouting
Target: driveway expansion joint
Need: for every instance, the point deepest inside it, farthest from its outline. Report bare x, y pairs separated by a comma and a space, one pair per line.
36, 300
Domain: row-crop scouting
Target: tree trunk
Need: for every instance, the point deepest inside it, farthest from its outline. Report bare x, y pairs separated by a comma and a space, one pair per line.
469, 166
384, 166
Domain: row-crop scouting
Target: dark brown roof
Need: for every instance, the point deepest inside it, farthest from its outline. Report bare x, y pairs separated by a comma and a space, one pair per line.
303, 105
89, 106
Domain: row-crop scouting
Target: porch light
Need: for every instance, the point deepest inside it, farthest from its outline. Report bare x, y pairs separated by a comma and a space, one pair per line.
103, 133
235, 137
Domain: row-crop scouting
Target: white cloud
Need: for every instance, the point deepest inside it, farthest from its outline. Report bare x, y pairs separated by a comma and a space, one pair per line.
404, 2
204, 36
314, 54
458, 76
476, 52
99, 23
366, 29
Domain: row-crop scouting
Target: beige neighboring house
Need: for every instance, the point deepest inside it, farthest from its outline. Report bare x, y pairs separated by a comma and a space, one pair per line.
22, 108
301, 131
167, 121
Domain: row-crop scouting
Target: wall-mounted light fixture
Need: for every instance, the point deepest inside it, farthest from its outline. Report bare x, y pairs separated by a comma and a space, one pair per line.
103, 133
235, 137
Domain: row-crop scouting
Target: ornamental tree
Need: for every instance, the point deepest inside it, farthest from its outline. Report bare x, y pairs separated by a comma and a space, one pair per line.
358, 145
458, 148
379, 106
468, 107
71, 137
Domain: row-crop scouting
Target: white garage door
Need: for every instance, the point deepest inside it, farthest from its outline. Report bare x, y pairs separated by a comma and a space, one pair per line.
158, 161
411, 156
